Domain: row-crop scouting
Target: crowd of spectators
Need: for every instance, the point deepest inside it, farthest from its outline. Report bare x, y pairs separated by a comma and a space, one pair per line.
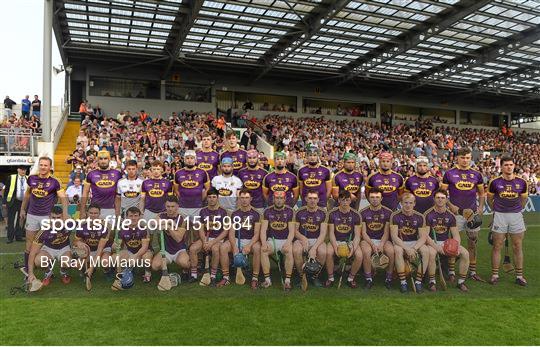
16, 128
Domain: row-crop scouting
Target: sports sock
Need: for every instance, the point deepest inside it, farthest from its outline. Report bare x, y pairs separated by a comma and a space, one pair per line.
287, 280
350, 278
461, 278
419, 276
213, 273
432, 279
418, 282
26, 254
331, 277
472, 267
226, 274
495, 272
367, 276
194, 272
519, 273
255, 276
389, 276
452, 266
402, 277
403, 281
267, 277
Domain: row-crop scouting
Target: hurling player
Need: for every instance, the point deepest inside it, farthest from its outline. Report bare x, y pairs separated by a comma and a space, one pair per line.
422, 185
191, 185
233, 151
387, 180
348, 179
207, 158
314, 176
281, 180
252, 178
136, 242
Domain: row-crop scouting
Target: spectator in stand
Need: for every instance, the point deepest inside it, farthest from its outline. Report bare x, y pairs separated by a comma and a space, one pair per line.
25, 107
8, 106
74, 191
83, 112
36, 107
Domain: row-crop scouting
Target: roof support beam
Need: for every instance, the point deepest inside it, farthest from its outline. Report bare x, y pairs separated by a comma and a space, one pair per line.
58, 8
183, 24
305, 29
411, 38
483, 55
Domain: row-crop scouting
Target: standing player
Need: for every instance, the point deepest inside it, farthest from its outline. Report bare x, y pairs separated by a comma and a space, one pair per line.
41, 195
507, 196
246, 226
207, 158
277, 233
154, 192
227, 185
443, 222
174, 233
191, 186
464, 186
344, 228
422, 185
50, 245
350, 180
129, 189
136, 241
103, 184
281, 180
233, 151
212, 231
376, 235
387, 180
409, 235
252, 178
314, 176
310, 233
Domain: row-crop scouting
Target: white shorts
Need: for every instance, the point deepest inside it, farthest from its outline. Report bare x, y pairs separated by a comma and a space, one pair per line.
213, 238
56, 253
409, 244
279, 243
189, 213
243, 242
33, 222
149, 215
171, 258
508, 222
376, 242
461, 224
107, 212
105, 250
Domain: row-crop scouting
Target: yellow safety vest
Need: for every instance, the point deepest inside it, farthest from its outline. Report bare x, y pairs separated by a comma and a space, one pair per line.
12, 187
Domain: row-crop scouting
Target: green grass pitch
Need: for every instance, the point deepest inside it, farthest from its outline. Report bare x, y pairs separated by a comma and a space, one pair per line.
192, 315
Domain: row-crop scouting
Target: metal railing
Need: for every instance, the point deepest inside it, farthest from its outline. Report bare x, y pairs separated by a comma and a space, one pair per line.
18, 141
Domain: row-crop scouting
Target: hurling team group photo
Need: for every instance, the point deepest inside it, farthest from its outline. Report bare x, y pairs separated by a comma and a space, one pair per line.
225, 219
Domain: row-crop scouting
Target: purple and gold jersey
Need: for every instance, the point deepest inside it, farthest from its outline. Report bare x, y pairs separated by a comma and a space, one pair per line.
133, 238
214, 220
507, 194
440, 222
209, 162
239, 158
54, 240
390, 184
278, 221
309, 222
171, 245
91, 235
156, 191
408, 226
43, 194
103, 185
253, 180
191, 184
314, 178
423, 189
462, 187
284, 182
247, 218
351, 182
375, 221
344, 223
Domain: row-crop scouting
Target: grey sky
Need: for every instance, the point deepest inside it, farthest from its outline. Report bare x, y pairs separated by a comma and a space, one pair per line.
21, 59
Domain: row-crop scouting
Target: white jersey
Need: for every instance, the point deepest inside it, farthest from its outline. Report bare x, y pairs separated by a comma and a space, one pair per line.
130, 192
228, 190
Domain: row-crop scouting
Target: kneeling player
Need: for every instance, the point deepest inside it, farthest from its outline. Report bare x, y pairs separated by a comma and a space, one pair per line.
310, 232
174, 235
442, 223
94, 234
212, 232
136, 242
244, 235
409, 234
48, 247
344, 229
277, 233
376, 235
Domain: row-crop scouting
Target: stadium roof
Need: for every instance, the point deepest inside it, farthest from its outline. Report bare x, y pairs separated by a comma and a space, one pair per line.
476, 45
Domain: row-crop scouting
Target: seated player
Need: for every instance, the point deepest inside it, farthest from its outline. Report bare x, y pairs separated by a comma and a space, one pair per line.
310, 233
136, 242
344, 228
443, 222
50, 245
376, 235
277, 233
211, 234
174, 234
409, 235
244, 235
91, 234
